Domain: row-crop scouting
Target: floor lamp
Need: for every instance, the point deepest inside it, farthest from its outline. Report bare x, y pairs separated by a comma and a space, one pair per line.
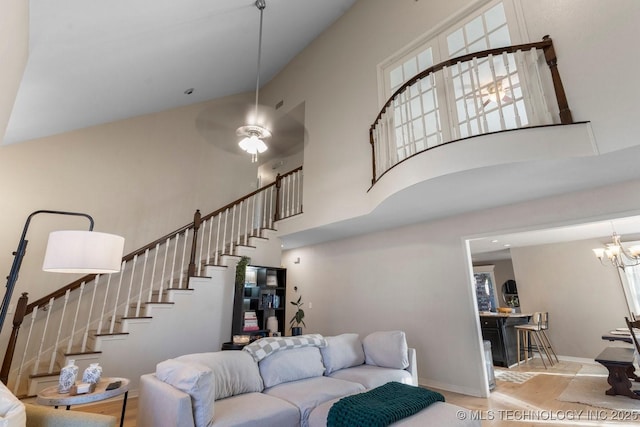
68, 251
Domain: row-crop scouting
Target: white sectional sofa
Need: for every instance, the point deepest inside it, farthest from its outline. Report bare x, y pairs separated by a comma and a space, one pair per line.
281, 382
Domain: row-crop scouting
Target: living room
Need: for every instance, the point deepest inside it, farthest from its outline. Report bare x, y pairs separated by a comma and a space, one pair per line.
387, 265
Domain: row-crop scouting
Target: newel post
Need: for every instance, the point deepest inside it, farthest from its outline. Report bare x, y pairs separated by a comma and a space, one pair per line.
552, 62
194, 243
18, 317
373, 155
276, 211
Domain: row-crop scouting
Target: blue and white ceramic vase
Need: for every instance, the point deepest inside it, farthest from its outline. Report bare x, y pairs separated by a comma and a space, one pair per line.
92, 374
68, 376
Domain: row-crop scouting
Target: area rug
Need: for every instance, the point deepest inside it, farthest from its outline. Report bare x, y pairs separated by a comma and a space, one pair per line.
588, 387
513, 376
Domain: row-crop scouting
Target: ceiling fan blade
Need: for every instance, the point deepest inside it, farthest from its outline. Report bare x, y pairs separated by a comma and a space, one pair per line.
507, 99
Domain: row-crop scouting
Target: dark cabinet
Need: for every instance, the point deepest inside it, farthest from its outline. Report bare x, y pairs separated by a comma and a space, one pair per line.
501, 332
263, 296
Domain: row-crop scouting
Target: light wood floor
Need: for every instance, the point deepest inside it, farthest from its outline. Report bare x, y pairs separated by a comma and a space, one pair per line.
508, 401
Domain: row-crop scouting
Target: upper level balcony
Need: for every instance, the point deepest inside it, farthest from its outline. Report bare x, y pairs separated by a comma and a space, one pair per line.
481, 93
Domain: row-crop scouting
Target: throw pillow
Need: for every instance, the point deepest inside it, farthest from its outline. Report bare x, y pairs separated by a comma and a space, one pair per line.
194, 379
291, 365
387, 349
342, 351
12, 410
234, 371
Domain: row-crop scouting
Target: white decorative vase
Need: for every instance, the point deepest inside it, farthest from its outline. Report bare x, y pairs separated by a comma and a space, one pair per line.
68, 376
272, 324
92, 374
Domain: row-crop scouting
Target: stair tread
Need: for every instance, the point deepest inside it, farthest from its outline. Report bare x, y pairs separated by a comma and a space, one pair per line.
111, 334
136, 317
78, 353
44, 374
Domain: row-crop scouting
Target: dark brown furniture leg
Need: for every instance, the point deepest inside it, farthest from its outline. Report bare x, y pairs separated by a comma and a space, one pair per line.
619, 363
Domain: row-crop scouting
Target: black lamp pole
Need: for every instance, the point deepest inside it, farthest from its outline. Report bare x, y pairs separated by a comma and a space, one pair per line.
12, 278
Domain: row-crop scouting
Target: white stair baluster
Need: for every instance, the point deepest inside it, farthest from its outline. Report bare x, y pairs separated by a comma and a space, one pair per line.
153, 271
224, 231
75, 320
24, 353
144, 271
200, 258
172, 275
183, 264
57, 340
233, 222
246, 222
104, 304
133, 273
83, 346
164, 268
494, 78
209, 241
215, 261
48, 309
115, 302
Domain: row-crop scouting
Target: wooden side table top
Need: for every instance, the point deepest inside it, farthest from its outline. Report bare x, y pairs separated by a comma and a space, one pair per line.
50, 396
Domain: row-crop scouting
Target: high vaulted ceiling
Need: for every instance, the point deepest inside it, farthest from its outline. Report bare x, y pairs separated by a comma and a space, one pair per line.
95, 62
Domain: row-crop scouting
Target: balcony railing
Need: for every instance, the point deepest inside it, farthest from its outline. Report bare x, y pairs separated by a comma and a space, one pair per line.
474, 94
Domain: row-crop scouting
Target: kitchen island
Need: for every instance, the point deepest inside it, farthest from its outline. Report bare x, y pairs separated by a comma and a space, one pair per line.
499, 329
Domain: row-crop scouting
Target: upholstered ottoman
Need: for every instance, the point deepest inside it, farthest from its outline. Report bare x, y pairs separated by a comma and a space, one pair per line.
436, 414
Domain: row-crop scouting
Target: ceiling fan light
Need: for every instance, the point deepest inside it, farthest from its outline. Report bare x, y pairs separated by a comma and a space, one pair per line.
253, 145
599, 252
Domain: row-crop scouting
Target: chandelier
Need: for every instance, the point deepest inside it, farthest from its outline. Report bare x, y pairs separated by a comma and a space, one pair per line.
617, 255
253, 134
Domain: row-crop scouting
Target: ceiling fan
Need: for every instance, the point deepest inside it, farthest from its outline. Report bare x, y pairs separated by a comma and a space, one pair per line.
501, 88
238, 126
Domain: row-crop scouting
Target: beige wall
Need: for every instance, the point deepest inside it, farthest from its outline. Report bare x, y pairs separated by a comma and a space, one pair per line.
418, 279
584, 299
14, 50
141, 178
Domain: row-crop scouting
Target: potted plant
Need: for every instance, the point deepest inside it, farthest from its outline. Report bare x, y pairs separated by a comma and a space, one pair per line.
297, 318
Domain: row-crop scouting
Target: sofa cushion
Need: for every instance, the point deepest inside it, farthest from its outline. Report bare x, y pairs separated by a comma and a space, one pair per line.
253, 409
342, 351
291, 365
235, 372
373, 376
311, 392
12, 410
387, 349
194, 379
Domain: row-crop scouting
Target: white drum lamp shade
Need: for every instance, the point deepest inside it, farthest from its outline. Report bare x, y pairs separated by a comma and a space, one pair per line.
86, 252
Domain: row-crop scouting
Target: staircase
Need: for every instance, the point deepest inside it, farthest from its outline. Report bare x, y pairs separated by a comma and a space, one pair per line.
171, 297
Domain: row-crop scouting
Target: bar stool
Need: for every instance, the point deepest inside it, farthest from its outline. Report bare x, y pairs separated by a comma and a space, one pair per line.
544, 325
533, 332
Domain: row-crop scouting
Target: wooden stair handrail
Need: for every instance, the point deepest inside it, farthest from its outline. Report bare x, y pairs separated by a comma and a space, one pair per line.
76, 284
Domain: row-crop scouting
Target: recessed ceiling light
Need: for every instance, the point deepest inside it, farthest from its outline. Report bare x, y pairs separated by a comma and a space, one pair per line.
188, 91
494, 241
506, 245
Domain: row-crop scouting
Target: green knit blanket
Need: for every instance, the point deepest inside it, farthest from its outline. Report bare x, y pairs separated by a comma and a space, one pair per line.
381, 406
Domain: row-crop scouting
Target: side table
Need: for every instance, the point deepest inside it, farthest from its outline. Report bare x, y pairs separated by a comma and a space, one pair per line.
50, 396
